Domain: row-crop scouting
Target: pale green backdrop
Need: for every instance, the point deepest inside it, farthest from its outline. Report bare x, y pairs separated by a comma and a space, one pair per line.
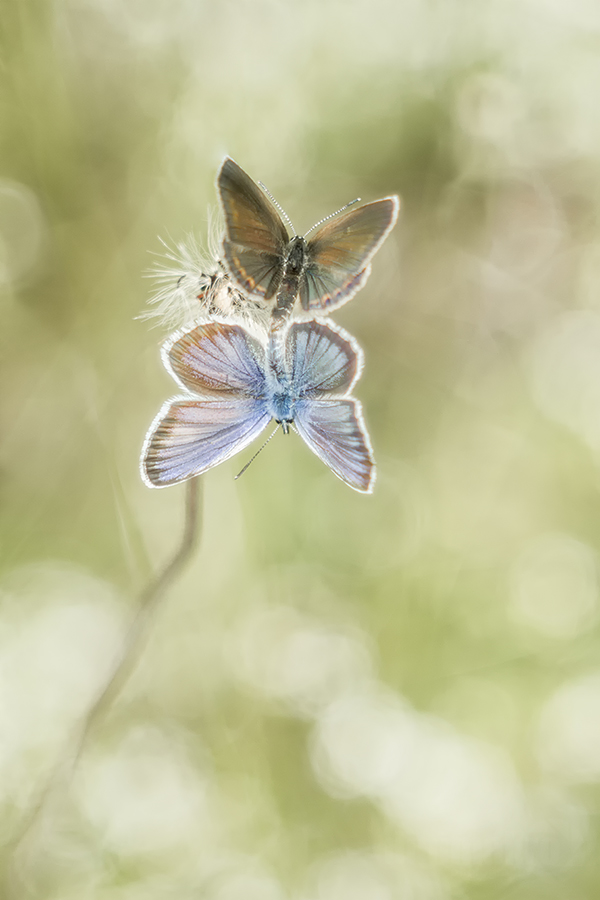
393, 697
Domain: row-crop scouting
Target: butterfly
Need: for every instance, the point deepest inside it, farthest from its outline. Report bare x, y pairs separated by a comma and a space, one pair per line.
236, 380
325, 271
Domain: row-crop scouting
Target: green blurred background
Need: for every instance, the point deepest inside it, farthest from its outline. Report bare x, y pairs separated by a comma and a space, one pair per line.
394, 697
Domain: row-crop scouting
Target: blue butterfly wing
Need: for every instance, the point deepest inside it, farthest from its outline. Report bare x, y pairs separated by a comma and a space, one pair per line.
191, 435
321, 360
335, 431
217, 358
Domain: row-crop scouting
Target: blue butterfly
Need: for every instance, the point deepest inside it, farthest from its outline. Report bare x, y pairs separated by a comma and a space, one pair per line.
236, 380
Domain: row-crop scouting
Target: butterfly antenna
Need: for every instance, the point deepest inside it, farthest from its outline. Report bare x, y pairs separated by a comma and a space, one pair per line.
284, 215
239, 474
332, 215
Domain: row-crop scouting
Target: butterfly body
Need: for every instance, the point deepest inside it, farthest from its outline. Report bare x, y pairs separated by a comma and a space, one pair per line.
293, 271
281, 405
323, 272
236, 382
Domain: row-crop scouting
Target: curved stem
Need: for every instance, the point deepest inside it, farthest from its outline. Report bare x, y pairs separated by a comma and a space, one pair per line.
149, 598
124, 665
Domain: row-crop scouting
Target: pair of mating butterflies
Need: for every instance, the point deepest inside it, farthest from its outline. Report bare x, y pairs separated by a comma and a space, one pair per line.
300, 376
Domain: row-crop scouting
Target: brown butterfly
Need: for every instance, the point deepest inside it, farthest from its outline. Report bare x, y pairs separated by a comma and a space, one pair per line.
324, 272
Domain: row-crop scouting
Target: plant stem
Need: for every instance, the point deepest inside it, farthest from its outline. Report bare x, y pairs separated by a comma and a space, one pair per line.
123, 667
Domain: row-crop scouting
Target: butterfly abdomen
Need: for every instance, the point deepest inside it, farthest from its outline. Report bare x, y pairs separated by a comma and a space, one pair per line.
295, 264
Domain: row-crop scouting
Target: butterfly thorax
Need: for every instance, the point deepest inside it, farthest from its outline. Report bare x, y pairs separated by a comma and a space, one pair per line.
295, 263
295, 257
282, 407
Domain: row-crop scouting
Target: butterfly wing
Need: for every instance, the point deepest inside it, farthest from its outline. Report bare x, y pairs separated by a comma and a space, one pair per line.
340, 251
191, 435
256, 238
321, 359
335, 431
217, 357
223, 366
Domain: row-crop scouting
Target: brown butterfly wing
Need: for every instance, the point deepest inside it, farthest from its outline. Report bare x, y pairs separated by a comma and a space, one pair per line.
340, 252
255, 237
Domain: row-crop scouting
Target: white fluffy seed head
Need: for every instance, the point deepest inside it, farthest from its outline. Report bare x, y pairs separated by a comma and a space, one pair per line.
191, 283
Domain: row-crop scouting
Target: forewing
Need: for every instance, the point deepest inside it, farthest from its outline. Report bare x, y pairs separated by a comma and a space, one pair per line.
217, 357
190, 436
321, 359
256, 238
339, 253
334, 430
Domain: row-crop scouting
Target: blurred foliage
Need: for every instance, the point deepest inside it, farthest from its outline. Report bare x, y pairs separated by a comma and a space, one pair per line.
345, 697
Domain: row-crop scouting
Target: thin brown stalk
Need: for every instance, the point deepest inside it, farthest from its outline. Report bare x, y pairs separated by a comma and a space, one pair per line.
123, 667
